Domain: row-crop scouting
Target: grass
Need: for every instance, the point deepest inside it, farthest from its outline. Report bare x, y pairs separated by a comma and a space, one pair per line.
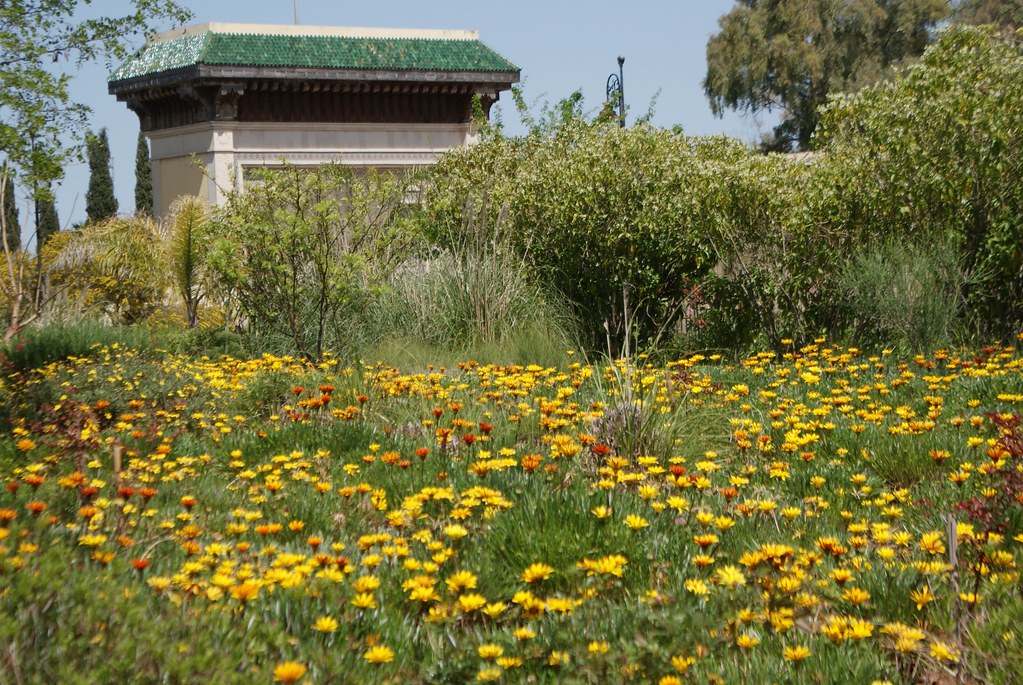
726, 516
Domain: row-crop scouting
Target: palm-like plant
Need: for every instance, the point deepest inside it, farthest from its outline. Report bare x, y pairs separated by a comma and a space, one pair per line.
117, 267
187, 250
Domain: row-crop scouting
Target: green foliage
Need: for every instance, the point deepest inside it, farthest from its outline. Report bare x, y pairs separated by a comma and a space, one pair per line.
788, 56
479, 294
940, 151
11, 225
605, 215
300, 253
37, 347
37, 113
143, 178
1007, 14
100, 203
49, 222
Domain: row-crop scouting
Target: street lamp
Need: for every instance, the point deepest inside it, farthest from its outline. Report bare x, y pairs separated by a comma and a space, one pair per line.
616, 91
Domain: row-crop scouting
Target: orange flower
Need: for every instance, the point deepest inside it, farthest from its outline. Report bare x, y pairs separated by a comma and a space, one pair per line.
246, 592
289, 672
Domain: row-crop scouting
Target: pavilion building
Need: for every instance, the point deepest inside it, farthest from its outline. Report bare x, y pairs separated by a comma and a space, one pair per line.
217, 100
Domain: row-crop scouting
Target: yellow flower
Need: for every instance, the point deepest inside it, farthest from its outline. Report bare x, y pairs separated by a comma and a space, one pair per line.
495, 609
635, 522
682, 663
455, 531
922, 597
601, 512
245, 592
796, 654
747, 641
364, 600
537, 572
971, 598
289, 672
380, 654
730, 576
524, 633
325, 624
860, 629
558, 658
931, 543
856, 596
365, 583
598, 647
490, 651
944, 652
462, 580
471, 602
697, 587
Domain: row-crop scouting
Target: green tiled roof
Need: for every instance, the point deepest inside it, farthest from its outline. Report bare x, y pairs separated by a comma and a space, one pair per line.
325, 52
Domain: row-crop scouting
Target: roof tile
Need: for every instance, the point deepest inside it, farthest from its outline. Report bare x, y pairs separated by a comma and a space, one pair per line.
327, 52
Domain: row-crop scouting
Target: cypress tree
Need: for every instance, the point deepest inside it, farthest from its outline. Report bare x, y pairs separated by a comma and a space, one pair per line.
143, 178
100, 203
11, 212
49, 223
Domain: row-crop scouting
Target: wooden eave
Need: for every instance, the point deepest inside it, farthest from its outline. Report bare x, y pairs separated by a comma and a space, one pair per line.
350, 80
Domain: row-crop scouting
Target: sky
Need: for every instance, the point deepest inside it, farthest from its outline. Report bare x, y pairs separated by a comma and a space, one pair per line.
561, 46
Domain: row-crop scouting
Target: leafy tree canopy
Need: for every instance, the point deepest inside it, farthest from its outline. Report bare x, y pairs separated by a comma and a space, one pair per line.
37, 39
1007, 14
787, 55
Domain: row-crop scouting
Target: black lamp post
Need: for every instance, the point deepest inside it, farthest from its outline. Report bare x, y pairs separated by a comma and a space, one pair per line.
616, 91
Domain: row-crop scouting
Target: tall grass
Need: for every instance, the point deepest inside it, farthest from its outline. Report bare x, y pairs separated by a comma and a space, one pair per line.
476, 300
39, 346
908, 296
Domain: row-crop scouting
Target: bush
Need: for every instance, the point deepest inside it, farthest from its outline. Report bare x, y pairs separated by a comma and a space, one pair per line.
299, 254
610, 217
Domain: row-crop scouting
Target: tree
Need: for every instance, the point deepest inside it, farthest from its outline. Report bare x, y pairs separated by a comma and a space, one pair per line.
41, 127
49, 222
100, 203
11, 226
787, 55
1007, 14
143, 178
117, 267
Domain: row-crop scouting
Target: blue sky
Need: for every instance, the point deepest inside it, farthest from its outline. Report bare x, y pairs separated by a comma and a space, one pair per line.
560, 46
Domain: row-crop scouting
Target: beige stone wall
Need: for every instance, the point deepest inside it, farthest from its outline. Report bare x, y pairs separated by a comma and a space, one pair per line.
174, 177
227, 150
